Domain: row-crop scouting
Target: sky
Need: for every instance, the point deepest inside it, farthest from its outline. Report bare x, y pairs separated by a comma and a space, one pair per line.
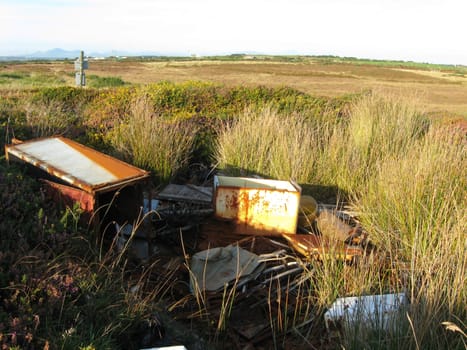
408, 30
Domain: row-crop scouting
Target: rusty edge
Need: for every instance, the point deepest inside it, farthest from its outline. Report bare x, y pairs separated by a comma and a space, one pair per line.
294, 184
68, 195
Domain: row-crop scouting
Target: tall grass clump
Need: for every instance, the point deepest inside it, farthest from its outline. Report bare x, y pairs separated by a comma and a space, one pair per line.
405, 177
49, 119
407, 180
152, 142
417, 194
269, 144
323, 150
379, 126
44, 112
414, 208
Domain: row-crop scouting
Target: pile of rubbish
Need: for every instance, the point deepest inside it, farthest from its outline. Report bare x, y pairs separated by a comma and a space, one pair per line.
238, 250
233, 252
245, 207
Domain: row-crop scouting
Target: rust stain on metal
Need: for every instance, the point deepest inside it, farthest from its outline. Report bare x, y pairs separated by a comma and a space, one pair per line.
257, 206
81, 174
69, 195
232, 202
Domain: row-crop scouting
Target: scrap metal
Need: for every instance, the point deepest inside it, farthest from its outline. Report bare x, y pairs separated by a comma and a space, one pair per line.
76, 173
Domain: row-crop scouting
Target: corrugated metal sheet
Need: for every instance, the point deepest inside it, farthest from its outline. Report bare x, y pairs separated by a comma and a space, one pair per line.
76, 164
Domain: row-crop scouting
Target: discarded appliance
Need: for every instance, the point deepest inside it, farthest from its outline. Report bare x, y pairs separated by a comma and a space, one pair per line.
257, 206
76, 173
370, 312
214, 268
313, 246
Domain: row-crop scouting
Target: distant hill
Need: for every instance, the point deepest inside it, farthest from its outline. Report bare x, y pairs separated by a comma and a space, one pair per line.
54, 53
58, 53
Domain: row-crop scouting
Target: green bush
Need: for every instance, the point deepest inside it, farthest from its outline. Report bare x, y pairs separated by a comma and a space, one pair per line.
97, 82
70, 97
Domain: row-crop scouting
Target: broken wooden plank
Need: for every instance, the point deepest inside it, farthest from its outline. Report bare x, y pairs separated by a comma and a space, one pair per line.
316, 246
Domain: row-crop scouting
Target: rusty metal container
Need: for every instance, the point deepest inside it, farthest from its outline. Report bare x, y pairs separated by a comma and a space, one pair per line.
73, 173
257, 206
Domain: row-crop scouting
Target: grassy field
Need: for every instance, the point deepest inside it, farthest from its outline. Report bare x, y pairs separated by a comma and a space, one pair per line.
388, 139
440, 89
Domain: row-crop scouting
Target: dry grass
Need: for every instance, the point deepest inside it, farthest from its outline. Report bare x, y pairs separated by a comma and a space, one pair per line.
269, 144
152, 142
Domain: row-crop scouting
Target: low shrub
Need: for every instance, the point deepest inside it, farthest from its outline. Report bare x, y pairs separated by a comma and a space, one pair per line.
58, 288
98, 82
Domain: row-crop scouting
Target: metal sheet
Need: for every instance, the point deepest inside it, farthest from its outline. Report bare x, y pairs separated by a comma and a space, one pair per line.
186, 193
69, 195
257, 206
75, 164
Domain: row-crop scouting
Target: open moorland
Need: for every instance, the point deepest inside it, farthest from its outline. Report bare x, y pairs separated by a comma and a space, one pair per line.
439, 88
382, 144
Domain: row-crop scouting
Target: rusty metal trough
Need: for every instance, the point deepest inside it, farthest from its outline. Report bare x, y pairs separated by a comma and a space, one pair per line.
73, 172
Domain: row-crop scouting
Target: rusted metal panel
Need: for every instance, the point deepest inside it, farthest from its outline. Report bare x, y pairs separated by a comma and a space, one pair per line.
76, 173
257, 206
68, 195
76, 164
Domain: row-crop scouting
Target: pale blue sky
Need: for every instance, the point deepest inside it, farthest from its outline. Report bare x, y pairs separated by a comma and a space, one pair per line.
417, 30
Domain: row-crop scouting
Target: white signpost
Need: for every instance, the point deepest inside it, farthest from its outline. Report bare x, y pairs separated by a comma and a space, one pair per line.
80, 66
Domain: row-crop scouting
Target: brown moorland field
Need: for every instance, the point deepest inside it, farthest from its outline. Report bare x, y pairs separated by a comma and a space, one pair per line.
441, 92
